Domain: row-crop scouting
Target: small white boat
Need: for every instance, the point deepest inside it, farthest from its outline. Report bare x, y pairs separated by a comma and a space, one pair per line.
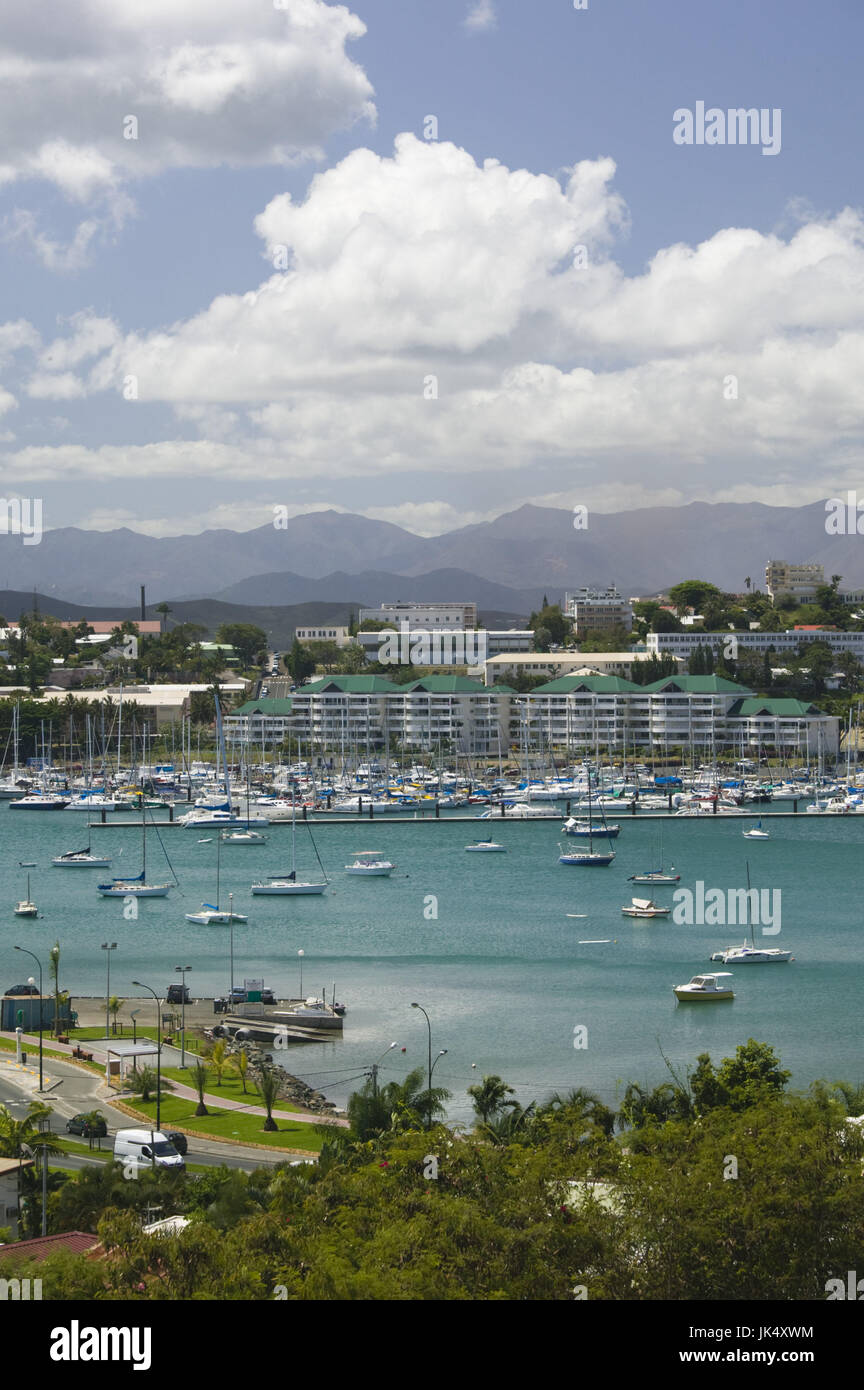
286, 887
644, 907
243, 837
485, 847
81, 859
704, 987
756, 833
657, 876
211, 915
369, 864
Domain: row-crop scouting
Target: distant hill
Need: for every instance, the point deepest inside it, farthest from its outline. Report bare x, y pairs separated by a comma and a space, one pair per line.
526, 552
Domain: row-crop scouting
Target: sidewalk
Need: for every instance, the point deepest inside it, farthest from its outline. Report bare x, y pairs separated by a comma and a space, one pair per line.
178, 1088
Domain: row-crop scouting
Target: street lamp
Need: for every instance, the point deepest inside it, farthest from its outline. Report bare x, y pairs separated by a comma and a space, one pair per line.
374, 1069
140, 985
442, 1053
41, 1002
133, 1014
108, 947
300, 955
182, 971
429, 1027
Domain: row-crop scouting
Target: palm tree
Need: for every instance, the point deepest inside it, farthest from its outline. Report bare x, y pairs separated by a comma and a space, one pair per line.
200, 1083
851, 1096
510, 1126
490, 1096
747, 582
163, 610
241, 1065
268, 1085
218, 1059
581, 1106
114, 1006
22, 1139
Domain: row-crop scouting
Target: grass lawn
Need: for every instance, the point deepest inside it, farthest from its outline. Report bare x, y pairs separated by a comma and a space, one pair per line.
231, 1088
6, 1045
81, 1035
230, 1124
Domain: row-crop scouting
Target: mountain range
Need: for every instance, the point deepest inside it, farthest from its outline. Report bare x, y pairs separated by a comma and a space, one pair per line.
506, 565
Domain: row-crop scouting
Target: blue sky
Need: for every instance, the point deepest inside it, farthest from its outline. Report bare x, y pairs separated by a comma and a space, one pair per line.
552, 388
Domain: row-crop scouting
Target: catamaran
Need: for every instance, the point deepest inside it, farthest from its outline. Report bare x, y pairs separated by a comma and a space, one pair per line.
368, 863
752, 954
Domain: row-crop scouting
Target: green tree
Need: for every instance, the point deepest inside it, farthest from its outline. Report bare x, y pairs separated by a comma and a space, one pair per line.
489, 1097
249, 641
693, 593
200, 1078
268, 1085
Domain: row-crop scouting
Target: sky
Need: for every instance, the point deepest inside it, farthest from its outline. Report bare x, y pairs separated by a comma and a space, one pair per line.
427, 263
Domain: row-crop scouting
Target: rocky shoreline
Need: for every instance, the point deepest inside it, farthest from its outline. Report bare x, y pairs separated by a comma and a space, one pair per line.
291, 1088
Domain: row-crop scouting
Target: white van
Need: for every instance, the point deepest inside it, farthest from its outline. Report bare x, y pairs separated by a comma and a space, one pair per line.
140, 1149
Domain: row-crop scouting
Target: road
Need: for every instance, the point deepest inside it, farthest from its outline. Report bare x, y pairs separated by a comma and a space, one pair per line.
82, 1090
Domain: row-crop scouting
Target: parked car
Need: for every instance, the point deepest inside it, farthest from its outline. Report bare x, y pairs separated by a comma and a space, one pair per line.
22, 989
178, 994
179, 1140
91, 1127
268, 997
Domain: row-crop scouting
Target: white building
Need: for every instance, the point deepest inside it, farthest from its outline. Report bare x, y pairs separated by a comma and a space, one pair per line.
801, 581
325, 632
426, 615
598, 610
564, 663
683, 644
447, 646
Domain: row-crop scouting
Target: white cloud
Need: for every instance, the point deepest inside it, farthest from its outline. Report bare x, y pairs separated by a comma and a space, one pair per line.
206, 83
481, 16
429, 265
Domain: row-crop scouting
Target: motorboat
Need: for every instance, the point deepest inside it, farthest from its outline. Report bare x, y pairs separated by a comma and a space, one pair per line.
92, 801
369, 864
81, 859
311, 1013
704, 987
584, 829
243, 837
485, 847
644, 907
655, 876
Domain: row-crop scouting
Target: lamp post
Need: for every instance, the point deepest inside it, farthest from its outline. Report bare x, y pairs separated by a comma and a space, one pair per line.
41, 1003
108, 947
182, 971
231, 948
140, 985
374, 1069
133, 1014
300, 955
429, 1027
442, 1053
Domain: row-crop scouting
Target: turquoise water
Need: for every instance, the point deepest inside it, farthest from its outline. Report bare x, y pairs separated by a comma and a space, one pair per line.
500, 970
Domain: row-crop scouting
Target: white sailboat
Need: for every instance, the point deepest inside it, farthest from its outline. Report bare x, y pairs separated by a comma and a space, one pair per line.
27, 908
752, 954
288, 885
137, 886
368, 863
81, 859
211, 913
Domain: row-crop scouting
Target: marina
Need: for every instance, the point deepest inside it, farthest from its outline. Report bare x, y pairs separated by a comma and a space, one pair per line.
501, 965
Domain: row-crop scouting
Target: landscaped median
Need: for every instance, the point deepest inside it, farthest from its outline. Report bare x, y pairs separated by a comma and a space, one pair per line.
233, 1126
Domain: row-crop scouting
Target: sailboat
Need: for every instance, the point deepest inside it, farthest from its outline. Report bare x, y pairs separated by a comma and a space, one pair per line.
756, 832
26, 908
246, 836
657, 875
136, 887
288, 885
81, 859
589, 860
752, 954
212, 912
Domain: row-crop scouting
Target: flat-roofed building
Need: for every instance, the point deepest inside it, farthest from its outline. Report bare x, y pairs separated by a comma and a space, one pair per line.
801, 581
684, 644
598, 610
425, 615
564, 663
323, 632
